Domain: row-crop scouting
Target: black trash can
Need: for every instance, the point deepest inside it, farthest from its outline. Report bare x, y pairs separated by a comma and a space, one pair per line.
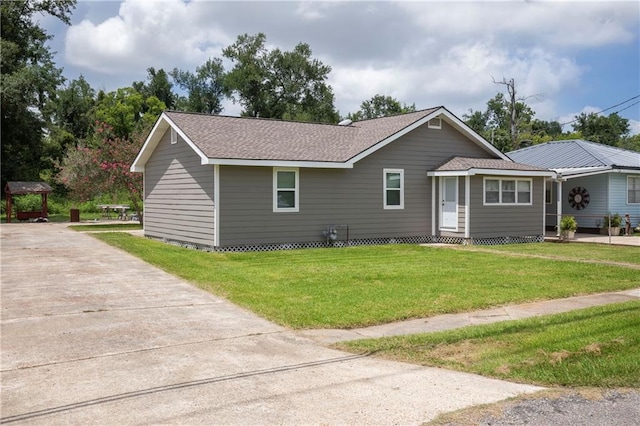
75, 215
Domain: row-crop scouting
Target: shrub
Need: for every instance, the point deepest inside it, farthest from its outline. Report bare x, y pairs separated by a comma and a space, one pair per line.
616, 220
27, 203
568, 223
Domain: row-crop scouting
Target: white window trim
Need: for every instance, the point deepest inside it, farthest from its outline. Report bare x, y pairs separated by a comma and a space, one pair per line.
296, 190
628, 182
384, 189
174, 136
500, 203
435, 123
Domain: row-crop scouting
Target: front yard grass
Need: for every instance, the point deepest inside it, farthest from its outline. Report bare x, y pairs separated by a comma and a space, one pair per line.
590, 347
576, 251
368, 285
132, 226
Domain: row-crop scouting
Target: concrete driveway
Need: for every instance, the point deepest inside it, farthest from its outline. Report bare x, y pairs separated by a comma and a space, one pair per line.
92, 335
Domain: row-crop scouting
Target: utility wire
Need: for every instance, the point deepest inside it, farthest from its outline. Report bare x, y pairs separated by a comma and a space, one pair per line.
607, 109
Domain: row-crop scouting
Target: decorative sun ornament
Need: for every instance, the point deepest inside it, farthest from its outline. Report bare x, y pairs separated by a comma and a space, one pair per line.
578, 198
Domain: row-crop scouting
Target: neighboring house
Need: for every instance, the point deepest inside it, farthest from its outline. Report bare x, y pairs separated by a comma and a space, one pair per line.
238, 183
593, 180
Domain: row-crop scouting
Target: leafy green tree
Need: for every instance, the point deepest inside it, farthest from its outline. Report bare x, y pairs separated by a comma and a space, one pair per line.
29, 78
205, 87
495, 123
380, 106
158, 85
631, 143
277, 84
126, 110
608, 130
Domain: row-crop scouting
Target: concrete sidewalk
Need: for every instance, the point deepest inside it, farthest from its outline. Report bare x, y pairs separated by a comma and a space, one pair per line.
94, 336
452, 321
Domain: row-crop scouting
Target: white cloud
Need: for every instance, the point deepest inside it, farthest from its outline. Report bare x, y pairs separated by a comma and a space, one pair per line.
143, 34
428, 53
564, 23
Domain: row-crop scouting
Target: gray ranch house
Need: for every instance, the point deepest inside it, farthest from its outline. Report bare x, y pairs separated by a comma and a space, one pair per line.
237, 183
593, 180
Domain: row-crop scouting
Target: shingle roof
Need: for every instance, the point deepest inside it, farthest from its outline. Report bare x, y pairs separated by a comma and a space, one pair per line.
20, 188
245, 138
575, 153
464, 163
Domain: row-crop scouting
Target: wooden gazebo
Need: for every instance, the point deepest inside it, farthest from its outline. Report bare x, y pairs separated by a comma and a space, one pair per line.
23, 188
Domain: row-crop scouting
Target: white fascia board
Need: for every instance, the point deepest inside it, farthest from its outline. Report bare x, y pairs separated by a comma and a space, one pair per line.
450, 118
492, 172
277, 163
462, 127
149, 145
572, 174
395, 136
531, 173
628, 171
162, 124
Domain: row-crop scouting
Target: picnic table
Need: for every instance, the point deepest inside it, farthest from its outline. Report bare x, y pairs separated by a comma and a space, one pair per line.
115, 209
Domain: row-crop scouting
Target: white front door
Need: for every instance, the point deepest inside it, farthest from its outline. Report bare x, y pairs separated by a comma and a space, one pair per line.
449, 203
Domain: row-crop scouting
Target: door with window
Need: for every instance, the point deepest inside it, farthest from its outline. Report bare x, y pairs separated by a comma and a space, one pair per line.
449, 203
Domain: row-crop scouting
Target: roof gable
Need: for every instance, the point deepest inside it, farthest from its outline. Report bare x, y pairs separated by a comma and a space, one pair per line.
254, 141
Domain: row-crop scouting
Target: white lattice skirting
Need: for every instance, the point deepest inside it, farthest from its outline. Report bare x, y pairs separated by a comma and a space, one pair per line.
424, 239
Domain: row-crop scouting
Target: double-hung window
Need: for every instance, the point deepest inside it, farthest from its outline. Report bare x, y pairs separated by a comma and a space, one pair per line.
286, 190
393, 188
507, 191
633, 189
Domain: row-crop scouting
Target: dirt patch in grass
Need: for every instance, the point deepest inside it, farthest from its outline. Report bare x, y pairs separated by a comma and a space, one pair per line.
553, 406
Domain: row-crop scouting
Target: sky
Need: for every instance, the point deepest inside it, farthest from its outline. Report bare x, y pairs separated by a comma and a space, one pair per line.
566, 57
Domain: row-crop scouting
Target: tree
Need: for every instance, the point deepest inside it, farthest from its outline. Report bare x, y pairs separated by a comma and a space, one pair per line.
103, 167
158, 86
495, 123
277, 84
29, 78
127, 111
380, 106
205, 87
608, 130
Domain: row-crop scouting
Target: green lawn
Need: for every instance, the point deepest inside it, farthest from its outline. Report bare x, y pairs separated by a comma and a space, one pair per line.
577, 251
107, 227
591, 347
361, 286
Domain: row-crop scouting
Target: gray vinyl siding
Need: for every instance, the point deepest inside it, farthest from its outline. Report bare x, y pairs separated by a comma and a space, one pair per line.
619, 195
352, 197
178, 194
506, 220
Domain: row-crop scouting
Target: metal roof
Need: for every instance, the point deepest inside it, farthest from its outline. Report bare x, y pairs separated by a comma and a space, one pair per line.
576, 154
21, 188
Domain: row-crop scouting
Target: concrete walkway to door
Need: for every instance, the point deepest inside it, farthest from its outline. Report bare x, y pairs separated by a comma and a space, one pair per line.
91, 335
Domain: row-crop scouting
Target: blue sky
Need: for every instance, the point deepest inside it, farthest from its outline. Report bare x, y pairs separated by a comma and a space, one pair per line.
566, 57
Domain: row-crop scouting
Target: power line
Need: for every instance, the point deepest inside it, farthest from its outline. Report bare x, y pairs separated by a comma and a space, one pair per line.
611, 107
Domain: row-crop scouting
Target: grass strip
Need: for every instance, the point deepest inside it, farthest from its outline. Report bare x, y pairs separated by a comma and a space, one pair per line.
107, 227
590, 347
576, 251
368, 285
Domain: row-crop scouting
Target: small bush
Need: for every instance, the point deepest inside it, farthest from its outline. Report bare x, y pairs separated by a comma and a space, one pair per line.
27, 203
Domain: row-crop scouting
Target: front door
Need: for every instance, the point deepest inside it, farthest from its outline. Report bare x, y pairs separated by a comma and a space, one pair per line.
449, 207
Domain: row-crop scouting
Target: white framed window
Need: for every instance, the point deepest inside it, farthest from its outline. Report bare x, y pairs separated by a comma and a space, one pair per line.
507, 191
393, 184
435, 123
286, 190
633, 189
174, 136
